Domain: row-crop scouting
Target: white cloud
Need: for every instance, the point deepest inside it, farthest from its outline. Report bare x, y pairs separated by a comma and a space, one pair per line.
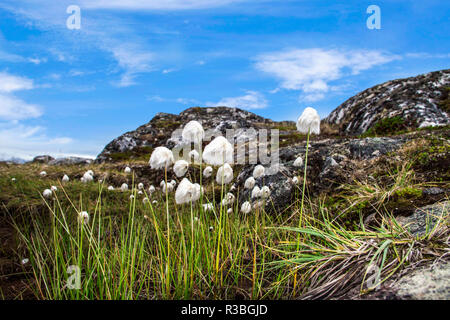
252, 100
133, 61
10, 83
26, 142
156, 4
312, 70
12, 108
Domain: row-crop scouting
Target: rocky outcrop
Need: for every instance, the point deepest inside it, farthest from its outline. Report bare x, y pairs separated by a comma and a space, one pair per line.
70, 161
417, 100
42, 159
162, 129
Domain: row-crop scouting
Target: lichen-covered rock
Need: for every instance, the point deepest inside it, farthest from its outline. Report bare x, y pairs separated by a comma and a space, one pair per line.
70, 161
416, 100
42, 159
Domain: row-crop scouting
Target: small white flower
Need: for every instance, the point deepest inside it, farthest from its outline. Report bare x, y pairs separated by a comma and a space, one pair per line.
246, 207
194, 156
151, 189
47, 193
258, 171
208, 207
169, 187
24, 261
256, 192
127, 170
193, 132
124, 187
155, 202
145, 200
218, 152
298, 162
207, 172
87, 177
265, 192
110, 188
211, 228
131, 197
140, 186
161, 158
54, 188
13, 179
180, 168
187, 192
233, 187
230, 211
224, 174
309, 121
229, 199
43, 173
140, 192
295, 180
83, 217
90, 172
249, 183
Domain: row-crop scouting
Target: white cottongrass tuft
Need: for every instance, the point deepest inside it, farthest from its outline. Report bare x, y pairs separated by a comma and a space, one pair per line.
180, 168
173, 182
249, 183
230, 211
127, 170
208, 207
229, 199
87, 177
309, 121
151, 189
154, 202
141, 186
43, 174
265, 192
224, 174
256, 192
140, 192
90, 172
295, 180
83, 217
167, 187
298, 162
132, 197
47, 193
124, 187
218, 152
145, 200
193, 132
187, 192
259, 171
161, 158
110, 188
194, 156
65, 178
13, 179
207, 172
246, 207
54, 188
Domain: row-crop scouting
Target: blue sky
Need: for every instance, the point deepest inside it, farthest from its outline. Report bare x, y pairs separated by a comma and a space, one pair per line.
69, 92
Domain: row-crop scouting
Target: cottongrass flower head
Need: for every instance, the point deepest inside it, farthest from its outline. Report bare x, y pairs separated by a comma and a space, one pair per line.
154, 202
298, 162
140, 186
83, 217
145, 200
230, 211
13, 179
265, 192
218, 152
249, 183
256, 192
87, 177
132, 197
246, 207
167, 187
228, 200
124, 187
194, 156
65, 178
127, 170
295, 180
193, 132
309, 121
208, 207
173, 182
207, 172
54, 188
180, 168
43, 173
140, 192
187, 192
161, 158
110, 188
90, 172
151, 189
47, 193
224, 174
259, 171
